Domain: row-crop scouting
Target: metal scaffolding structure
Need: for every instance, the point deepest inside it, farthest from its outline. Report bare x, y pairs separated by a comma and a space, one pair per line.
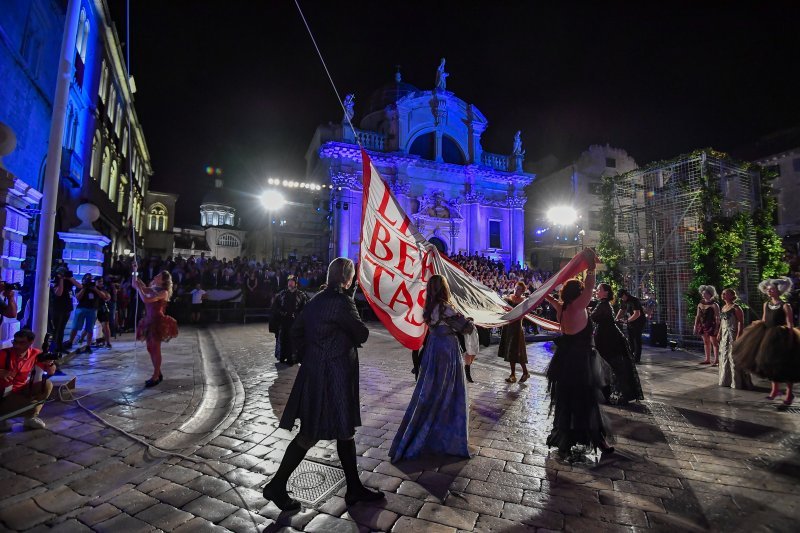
659, 216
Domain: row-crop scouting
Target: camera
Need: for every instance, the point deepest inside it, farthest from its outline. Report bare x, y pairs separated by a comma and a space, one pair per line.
10, 286
62, 273
89, 284
46, 354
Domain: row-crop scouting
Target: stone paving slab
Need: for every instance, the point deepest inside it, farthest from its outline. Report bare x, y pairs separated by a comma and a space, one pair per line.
692, 456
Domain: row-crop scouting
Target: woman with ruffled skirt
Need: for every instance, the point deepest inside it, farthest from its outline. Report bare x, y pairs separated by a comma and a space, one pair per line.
576, 373
156, 327
770, 347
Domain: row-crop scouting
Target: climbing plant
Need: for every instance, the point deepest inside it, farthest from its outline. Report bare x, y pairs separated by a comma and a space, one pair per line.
769, 247
609, 248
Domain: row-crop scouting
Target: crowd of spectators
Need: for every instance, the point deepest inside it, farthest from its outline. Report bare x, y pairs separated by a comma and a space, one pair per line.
493, 273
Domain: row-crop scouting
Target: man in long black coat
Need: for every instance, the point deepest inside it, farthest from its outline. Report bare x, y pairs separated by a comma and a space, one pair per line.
325, 395
288, 304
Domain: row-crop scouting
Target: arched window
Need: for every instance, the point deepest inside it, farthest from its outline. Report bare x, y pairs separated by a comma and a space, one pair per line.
102, 90
112, 99
157, 219
95, 156
451, 152
118, 120
85, 41
79, 40
228, 239
106, 170
121, 198
424, 146
113, 184
203, 218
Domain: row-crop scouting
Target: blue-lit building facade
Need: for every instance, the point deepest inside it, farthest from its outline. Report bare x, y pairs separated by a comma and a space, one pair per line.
98, 163
427, 146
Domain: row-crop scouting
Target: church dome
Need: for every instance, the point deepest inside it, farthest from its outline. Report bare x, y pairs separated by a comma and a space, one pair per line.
390, 93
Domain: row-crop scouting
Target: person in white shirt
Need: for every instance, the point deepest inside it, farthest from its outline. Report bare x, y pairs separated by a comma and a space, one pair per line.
198, 295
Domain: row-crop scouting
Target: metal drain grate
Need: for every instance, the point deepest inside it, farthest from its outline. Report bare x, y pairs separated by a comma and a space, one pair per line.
311, 482
783, 409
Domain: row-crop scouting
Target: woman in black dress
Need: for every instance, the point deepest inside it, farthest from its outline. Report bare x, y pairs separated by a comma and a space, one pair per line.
574, 376
325, 393
770, 347
615, 350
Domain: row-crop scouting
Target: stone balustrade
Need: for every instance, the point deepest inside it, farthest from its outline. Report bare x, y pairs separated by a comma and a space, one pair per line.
372, 140
495, 161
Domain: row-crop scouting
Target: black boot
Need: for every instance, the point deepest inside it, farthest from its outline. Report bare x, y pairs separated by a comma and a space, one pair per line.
356, 492
467, 372
275, 490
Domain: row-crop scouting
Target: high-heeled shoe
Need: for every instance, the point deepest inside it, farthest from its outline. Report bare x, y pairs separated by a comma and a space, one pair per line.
788, 401
154, 382
511, 379
524, 377
774, 395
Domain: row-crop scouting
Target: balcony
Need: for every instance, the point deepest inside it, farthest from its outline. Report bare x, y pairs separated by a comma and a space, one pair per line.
372, 140
495, 161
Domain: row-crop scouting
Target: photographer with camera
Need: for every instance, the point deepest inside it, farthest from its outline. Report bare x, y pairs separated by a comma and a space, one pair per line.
61, 305
18, 383
8, 307
89, 297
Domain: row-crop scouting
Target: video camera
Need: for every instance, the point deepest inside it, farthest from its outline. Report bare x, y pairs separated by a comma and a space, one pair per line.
63, 273
6, 286
46, 354
90, 284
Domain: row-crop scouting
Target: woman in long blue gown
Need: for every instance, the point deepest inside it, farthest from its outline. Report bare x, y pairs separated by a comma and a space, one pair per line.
436, 420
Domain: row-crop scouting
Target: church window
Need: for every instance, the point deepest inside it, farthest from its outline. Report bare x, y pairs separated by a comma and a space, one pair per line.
494, 235
157, 219
424, 146
451, 151
228, 239
112, 175
611, 162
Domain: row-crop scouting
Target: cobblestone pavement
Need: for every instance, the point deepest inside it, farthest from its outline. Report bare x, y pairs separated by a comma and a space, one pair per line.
692, 456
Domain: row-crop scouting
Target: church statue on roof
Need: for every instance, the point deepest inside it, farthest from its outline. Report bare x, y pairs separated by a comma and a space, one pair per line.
462, 198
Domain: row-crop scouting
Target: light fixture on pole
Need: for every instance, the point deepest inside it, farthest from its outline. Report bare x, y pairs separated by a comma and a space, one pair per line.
272, 200
562, 215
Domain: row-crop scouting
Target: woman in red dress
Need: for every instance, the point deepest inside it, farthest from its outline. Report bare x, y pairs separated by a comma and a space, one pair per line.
155, 327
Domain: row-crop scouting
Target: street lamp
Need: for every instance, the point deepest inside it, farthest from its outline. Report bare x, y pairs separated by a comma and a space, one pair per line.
272, 200
562, 215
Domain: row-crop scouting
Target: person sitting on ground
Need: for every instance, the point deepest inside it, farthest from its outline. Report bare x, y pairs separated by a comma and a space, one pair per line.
18, 387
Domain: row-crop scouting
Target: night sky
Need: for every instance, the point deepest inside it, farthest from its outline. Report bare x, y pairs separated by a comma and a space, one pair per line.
238, 85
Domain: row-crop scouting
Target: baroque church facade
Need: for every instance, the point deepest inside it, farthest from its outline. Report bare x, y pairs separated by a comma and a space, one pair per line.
427, 146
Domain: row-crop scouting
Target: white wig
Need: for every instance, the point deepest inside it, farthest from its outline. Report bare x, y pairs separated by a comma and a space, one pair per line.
708, 288
783, 284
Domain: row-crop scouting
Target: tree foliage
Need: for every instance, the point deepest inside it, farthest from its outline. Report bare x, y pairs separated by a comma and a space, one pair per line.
609, 248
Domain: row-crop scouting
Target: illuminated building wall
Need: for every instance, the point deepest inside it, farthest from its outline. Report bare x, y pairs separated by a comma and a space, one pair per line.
427, 145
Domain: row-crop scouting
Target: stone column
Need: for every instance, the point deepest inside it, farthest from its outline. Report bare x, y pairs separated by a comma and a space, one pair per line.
516, 206
16, 197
